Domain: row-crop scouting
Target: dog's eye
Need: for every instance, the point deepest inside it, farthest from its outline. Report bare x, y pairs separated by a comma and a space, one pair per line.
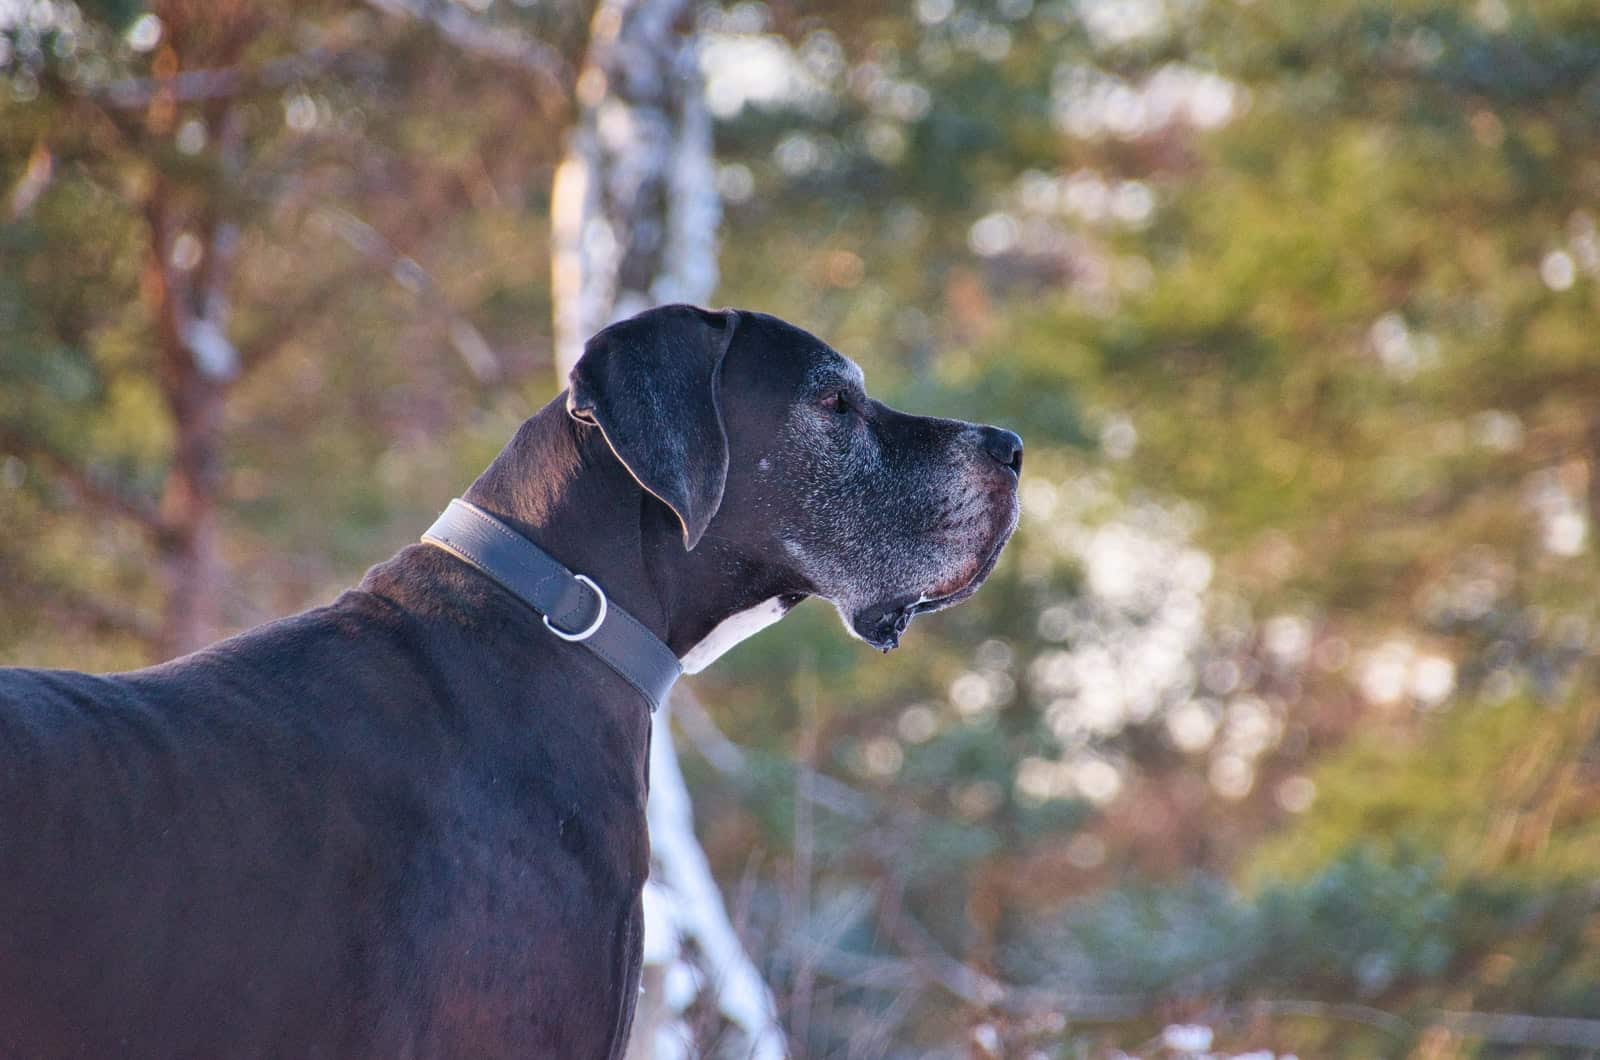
837, 401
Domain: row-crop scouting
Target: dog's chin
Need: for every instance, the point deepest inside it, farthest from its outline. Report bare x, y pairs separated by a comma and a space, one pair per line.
883, 623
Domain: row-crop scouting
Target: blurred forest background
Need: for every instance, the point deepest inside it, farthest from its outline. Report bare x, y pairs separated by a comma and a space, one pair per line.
1278, 729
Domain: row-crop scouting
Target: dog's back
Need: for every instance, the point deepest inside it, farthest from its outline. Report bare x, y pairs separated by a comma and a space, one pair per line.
335, 835
149, 827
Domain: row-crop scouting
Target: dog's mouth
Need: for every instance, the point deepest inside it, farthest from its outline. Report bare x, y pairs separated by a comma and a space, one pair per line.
882, 624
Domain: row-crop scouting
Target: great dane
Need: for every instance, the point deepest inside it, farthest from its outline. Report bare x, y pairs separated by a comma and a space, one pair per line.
412, 823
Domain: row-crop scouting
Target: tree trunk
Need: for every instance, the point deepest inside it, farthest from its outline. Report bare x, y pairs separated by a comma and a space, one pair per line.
196, 364
634, 214
191, 565
634, 211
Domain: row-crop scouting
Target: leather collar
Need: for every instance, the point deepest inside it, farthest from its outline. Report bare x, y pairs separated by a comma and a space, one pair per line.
572, 606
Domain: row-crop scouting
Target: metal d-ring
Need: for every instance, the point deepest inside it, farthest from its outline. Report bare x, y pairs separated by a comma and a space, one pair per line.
587, 632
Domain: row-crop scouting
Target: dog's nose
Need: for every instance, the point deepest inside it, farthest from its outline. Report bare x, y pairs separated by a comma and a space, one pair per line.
1005, 446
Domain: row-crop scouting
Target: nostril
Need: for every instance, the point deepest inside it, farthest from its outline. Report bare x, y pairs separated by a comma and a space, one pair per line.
1004, 446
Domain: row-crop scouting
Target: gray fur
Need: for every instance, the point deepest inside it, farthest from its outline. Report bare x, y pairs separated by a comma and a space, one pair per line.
884, 514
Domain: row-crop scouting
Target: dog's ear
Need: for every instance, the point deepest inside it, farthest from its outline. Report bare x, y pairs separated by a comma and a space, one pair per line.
652, 385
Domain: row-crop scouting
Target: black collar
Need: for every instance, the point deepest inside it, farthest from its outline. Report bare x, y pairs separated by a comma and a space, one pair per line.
575, 603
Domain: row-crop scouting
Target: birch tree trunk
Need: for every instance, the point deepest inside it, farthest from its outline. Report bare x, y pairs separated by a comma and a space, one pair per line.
634, 219
634, 209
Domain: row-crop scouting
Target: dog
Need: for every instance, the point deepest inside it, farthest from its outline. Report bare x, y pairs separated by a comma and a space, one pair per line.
412, 822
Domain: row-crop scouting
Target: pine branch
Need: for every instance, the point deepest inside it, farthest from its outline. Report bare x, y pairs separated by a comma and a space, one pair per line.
732, 760
33, 182
475, 351
982, 990
1511, 1028
1503, 1028
196, 86
85, 609
501, 44
287, 326
928, 964
92, 489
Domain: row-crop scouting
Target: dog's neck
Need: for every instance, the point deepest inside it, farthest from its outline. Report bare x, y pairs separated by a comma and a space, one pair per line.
559, 484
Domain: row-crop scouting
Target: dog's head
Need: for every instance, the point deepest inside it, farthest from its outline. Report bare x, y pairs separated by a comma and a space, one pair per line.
762, 440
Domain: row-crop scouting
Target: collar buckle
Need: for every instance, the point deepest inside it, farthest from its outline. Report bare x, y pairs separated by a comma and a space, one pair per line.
539, 580
599, 615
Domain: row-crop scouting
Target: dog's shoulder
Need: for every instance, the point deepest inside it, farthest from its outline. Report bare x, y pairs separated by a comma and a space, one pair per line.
38, 707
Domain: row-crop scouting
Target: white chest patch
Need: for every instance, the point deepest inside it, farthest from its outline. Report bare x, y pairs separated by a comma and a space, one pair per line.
730, 631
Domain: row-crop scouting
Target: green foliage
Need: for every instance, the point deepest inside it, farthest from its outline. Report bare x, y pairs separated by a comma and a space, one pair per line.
1356, 338
1507, 789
